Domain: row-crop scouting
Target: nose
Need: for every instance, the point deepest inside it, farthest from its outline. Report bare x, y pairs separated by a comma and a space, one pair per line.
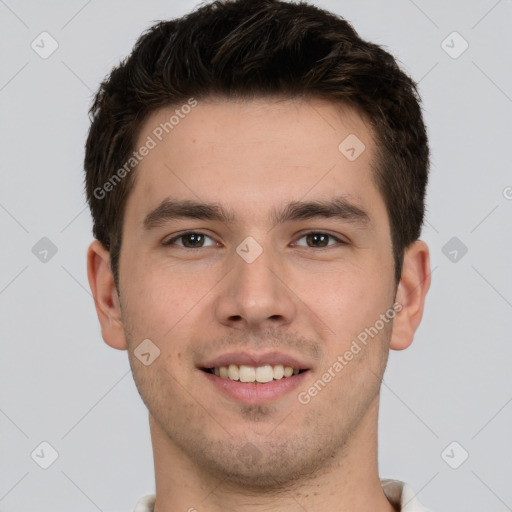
255, 295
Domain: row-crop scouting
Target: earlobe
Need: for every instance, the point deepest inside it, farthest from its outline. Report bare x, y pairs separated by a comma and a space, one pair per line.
412, 289
105, 296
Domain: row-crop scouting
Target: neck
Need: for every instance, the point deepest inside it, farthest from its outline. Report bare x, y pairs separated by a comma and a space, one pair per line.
349, 482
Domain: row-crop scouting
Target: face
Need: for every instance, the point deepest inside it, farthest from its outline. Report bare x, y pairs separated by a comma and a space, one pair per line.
282, 269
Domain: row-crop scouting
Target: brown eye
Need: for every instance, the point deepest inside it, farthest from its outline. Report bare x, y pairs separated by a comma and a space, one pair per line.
319, 239
190, 240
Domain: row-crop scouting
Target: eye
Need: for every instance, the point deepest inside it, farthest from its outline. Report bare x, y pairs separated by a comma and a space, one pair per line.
190, 240
319, 239
196, 240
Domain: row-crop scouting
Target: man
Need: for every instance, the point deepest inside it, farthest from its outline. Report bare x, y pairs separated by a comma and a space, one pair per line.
256, 175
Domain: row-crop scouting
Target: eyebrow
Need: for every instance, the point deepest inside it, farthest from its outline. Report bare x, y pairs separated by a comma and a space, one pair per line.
339, 207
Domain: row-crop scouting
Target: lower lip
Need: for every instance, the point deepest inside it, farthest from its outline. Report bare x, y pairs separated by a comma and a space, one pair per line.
255, 392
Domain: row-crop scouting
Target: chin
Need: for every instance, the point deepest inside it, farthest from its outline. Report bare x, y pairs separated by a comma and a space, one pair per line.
265, 465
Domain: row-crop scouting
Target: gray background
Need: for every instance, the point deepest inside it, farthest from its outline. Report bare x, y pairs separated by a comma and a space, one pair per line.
60, 383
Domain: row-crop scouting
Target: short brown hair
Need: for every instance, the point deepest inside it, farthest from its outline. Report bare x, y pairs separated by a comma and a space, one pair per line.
251, 48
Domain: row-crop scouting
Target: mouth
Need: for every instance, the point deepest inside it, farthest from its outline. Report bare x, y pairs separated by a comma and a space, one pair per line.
261, 374
255, 378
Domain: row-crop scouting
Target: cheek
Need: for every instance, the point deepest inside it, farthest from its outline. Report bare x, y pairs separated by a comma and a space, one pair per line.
347, 300
169, 308
158, 297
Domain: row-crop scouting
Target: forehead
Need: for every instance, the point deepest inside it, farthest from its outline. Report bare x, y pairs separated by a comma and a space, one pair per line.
253, 154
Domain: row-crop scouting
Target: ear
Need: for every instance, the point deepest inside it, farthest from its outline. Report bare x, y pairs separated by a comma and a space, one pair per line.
106, 301
411, 292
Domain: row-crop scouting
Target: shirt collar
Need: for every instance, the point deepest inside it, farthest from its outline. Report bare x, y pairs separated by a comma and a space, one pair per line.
399, 494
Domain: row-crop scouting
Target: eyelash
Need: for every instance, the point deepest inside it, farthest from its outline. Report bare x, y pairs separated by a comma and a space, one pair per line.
172, 240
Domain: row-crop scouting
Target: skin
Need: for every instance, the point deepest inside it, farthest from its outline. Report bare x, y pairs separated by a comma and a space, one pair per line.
298, 297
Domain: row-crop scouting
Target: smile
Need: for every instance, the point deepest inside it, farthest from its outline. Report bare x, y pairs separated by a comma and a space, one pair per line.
245, 373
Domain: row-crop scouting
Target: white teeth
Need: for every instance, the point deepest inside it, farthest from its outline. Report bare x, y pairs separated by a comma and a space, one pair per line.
233, 372
247, 373
278, 371
262, 374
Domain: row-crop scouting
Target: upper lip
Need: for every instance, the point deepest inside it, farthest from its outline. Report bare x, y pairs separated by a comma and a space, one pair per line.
256, 359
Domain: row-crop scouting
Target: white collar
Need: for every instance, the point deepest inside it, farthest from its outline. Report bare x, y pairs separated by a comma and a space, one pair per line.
398, 493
